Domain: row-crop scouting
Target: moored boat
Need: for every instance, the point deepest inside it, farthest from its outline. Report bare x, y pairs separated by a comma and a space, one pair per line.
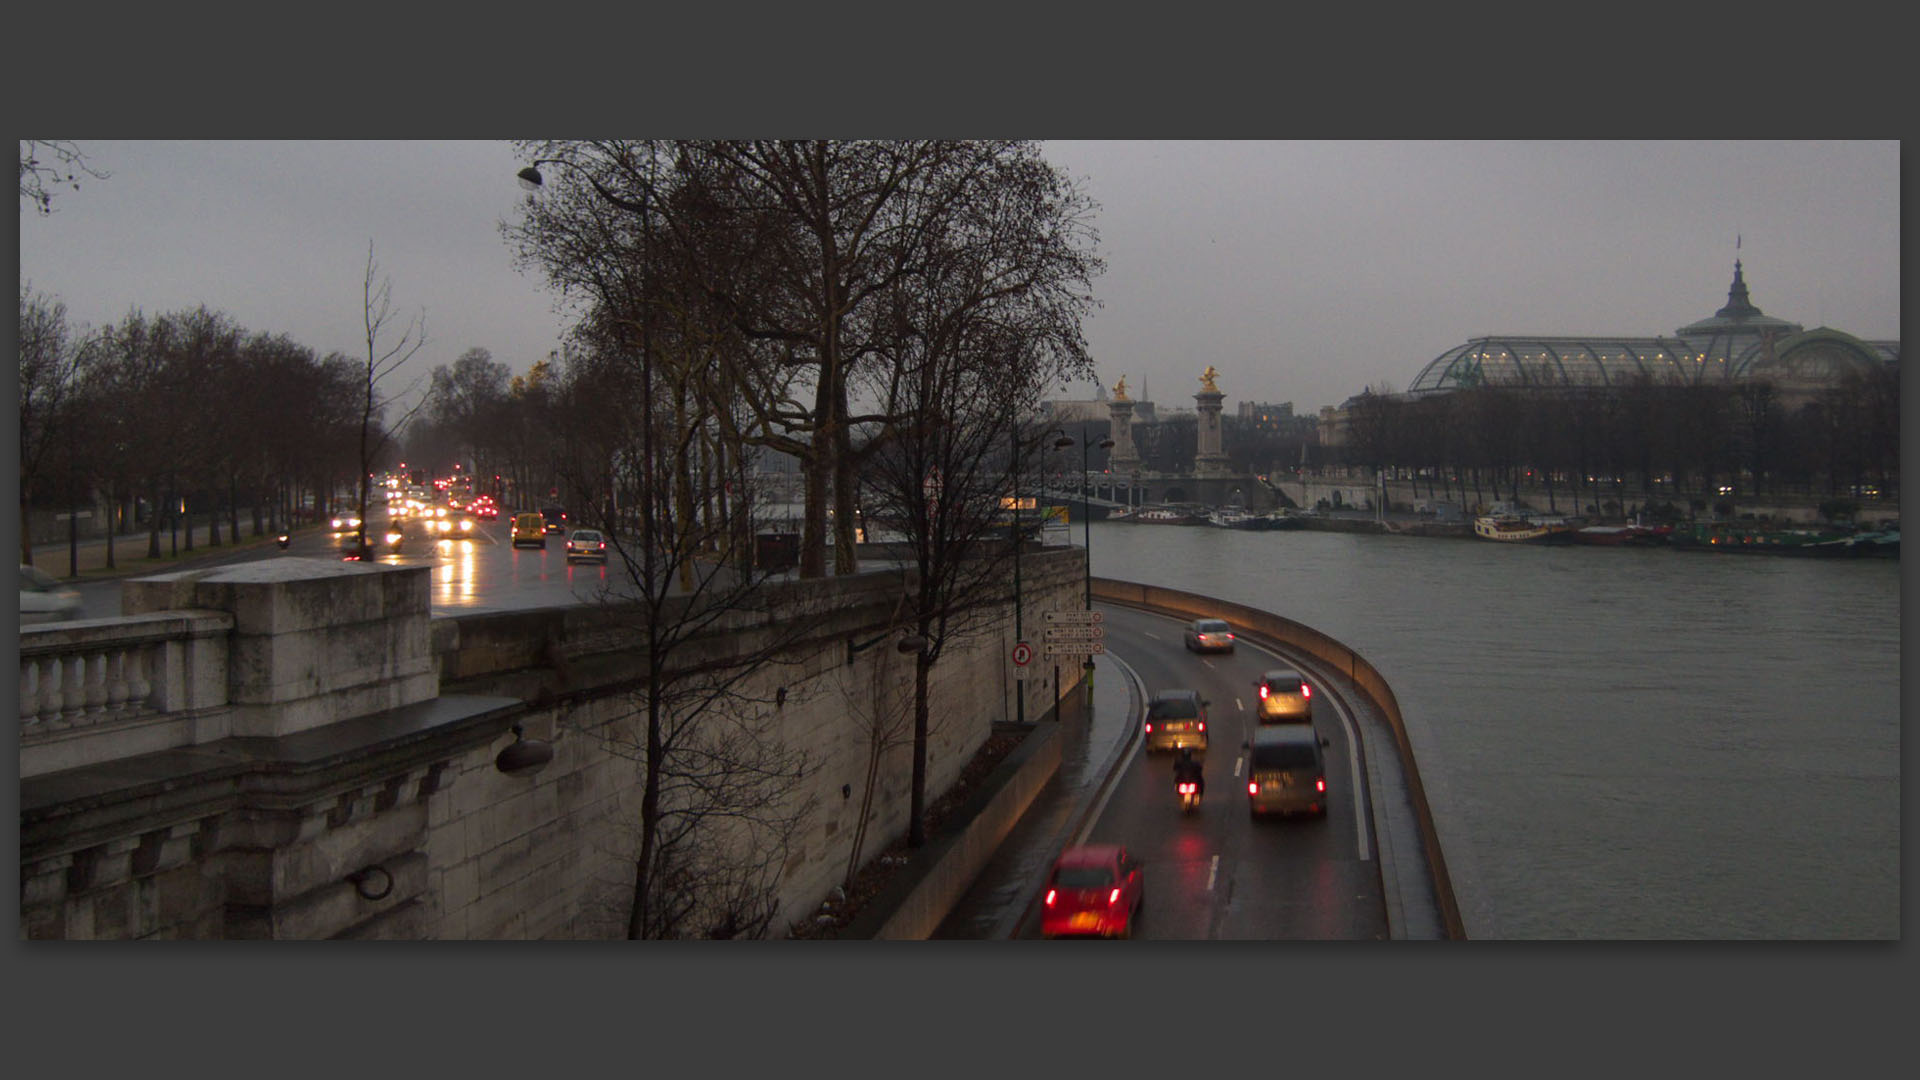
1164, 515
1516, 529
1754, 540
1236, 517
1623, 535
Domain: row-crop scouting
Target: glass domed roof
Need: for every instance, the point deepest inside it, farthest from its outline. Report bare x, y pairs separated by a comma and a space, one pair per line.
1720, 347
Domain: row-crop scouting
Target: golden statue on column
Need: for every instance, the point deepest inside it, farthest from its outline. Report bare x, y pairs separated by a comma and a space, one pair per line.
1120, 389
1206, 380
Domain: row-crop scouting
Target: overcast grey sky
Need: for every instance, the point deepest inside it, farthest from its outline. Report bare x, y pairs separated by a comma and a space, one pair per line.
1303, 272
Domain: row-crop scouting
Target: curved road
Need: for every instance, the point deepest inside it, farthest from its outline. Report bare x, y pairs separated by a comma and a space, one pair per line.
1216, 873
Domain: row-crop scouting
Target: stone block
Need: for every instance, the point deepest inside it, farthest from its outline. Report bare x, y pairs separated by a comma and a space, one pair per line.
445, 845
44, 922
376, 839
184, 895
408, 922
326, 911
459, 886
503, 865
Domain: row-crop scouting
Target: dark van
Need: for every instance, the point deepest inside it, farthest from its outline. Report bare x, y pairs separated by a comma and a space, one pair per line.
556, 517
1286, 772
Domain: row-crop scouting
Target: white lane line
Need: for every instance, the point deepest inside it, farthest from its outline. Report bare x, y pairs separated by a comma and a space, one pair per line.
1236, 767
1353, 775
1213, 872
1238, 704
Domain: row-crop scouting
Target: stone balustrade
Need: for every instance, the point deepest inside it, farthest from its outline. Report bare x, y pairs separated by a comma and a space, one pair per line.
108, 688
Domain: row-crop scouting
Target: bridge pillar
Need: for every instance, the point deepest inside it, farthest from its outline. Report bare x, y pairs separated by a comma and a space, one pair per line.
314, 640
1208, 459
1125, 458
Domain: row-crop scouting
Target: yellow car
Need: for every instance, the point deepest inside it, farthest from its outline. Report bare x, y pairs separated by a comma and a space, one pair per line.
529, 529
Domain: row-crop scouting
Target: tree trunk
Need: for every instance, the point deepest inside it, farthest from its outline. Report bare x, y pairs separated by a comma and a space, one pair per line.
917, 825
649, 824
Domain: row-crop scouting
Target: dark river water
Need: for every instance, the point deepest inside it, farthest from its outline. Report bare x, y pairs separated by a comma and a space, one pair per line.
1617, 744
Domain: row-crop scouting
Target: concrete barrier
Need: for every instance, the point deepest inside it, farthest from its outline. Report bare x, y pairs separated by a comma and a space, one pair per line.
1334, 654
914, 904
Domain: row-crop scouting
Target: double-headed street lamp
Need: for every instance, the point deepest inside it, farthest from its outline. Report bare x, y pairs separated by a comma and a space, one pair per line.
1086, 504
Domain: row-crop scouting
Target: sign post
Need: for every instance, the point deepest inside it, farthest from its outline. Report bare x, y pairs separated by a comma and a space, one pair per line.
1022, 659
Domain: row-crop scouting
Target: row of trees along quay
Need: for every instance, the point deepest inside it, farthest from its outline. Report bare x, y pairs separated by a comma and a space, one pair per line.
166, 417
1650, 440
880, 312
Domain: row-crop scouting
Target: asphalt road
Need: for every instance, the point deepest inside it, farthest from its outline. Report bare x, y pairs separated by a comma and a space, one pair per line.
1218, 874
480, 572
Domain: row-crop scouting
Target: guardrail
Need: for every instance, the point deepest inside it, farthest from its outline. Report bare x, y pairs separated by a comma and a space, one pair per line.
1328, 651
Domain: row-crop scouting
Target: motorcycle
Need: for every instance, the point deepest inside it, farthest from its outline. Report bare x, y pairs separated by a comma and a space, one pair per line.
283, 540
1189, 793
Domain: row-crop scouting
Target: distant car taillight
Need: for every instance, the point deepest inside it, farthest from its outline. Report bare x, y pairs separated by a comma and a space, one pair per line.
1050, 896
1203, 725
1319, 783
1253, 787
1113, 897
1306, 691
1149, 728
1264, 691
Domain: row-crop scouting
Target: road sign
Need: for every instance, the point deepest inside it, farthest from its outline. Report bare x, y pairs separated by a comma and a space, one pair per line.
1076, 618
1076, 633
1076, 648
1022, 654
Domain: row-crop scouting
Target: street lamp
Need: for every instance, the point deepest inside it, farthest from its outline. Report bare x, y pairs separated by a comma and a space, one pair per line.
1086, 505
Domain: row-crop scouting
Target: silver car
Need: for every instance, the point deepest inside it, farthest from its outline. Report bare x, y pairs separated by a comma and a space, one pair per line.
1209, 635
44, 599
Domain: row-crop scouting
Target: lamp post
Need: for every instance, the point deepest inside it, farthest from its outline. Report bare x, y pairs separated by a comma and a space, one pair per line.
1086, 506
1020, 685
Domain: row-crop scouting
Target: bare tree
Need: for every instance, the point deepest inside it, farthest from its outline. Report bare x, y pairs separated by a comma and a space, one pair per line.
385, 355
51, 354
45, 164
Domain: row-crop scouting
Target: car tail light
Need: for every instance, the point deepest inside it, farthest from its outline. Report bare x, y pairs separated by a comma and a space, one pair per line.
1320, 783
1229, 637
1149, 728
1253, 787
1264, 691
1113, 897
1203, 725
1186, 788
1051, 893
1306, 691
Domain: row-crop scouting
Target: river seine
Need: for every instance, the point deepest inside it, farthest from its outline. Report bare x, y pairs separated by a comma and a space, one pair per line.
1617, 744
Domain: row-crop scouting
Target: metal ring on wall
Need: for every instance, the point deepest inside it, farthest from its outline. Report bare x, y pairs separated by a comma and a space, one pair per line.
361, 877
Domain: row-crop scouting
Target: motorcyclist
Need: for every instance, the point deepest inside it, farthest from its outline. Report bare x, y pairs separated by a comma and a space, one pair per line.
1185, 768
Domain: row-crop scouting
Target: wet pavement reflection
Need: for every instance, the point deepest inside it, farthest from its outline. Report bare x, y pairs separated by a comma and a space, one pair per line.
1091, 740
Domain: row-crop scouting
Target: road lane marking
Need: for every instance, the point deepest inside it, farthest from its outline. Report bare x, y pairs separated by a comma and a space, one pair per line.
1236, 767
1353, 773
1238, 704
1212, 872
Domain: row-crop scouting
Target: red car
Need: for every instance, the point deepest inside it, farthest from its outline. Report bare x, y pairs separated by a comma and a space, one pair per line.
1093, 890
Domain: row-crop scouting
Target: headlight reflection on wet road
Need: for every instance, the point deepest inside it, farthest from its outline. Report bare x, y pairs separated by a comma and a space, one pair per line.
454, 572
